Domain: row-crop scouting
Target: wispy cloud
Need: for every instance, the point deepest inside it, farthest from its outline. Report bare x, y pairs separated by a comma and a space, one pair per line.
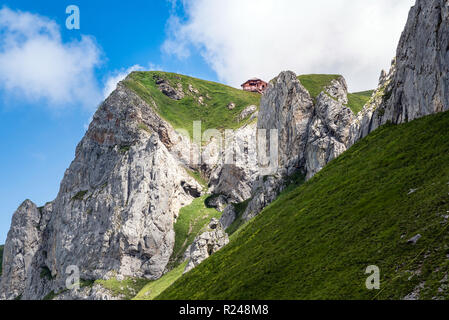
36, 64
241, 39
117, 76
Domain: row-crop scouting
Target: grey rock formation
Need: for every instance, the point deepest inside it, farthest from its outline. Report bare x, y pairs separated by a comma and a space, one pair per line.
169, 91
310, 134
24, 239
231, 106
287, 107
266, 190
228, 217
414, 240
207, 244
237, 167
247, 112
329, 132
338, 89
116, 207
418, 82
218, 202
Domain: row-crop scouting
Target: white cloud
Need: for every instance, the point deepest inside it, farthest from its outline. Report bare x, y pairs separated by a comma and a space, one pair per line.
36, 64
241, 39
117, 76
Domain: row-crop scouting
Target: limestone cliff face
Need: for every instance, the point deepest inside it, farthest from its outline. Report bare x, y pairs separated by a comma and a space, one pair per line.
310, 134
115, 210
206, 244
24, 240
234, 175
418, 82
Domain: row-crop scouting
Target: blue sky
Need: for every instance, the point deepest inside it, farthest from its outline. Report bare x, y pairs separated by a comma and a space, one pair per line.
44, 110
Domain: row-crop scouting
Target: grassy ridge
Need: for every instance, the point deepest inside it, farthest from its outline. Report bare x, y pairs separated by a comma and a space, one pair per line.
316, 83
316, 242
214, 113
356, 101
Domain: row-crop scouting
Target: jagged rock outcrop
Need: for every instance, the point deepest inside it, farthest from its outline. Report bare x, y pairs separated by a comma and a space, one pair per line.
418, 82
116, 208
24, 240
416, 85
237, 166
207, 244
169, 91
329, 131
288, 108
250, 110
228, 217
310, 134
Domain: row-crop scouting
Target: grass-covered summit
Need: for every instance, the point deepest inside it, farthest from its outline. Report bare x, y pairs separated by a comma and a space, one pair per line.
316, 83
217, 106
316, 241
203, 100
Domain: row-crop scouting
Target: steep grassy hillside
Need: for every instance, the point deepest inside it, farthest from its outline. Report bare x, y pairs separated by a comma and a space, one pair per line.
155, 288
356, 101
316, 83
316, 242
204, 100
1, 259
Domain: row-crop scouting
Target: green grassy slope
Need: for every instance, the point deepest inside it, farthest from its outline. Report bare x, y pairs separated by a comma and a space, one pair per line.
155, 288
1, 259
125, 289
192, 219
316, 242
214, 114
315, 84
357, 100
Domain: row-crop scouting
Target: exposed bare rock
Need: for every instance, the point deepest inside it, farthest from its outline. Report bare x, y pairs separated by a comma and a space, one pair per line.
310, 134
218, 202
418, 82
20, 247
414, 240
228, 217
247, 112
265, 190
94, 292
287, 107
329, 133
193, 90
237, 167
207, 244
338, 89
169, 91
116, 207
231, 106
